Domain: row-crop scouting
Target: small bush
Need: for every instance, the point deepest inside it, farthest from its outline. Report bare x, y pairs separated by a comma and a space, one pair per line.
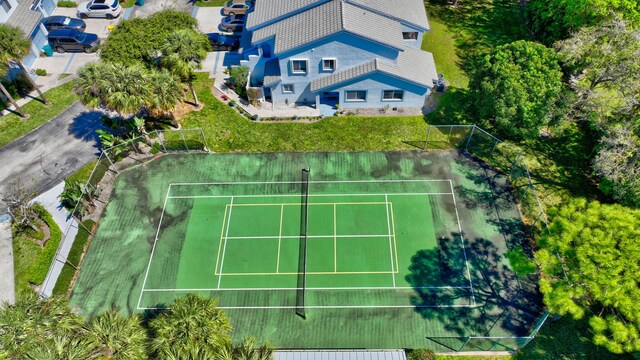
67, 4
155, 148
41, 72
39, 270
421, 354
3, 104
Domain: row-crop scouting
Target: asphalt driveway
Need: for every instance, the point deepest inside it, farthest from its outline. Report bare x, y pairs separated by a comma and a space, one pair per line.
52, 152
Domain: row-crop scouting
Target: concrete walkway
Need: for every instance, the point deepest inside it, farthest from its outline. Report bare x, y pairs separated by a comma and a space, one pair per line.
69, 226
7, 281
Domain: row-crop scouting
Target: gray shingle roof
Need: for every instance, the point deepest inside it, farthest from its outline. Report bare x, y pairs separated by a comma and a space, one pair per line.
25, 18
413, 65
340, 355
410, 11
267, 10
328, 19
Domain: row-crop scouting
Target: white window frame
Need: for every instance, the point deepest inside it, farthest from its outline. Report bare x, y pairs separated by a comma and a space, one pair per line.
410, 32
294, 71
335, 64
394, 91
346, 96
284, 91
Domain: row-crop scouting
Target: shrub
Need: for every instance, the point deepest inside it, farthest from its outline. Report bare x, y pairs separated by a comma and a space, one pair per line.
67, 4
140, 39
39, 270
41, 72
421, 354
155, 148
64, 280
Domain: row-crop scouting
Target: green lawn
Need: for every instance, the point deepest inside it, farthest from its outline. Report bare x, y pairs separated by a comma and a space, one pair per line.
25, 255
13, 126
210, 3
440, 41
228, 131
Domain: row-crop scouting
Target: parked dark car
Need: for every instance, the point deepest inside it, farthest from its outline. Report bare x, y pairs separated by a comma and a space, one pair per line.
63, 23
73, 40
221, 42
233, 23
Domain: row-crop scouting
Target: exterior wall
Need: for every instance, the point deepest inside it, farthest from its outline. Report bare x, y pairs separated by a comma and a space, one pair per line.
413, 43
347, 49
414, 95
39, 37
4, 15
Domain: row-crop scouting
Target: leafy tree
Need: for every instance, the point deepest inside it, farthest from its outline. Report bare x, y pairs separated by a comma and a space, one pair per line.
515, 87
240, 77
553, 20
193, 328
183, 53
14, 46
117, 336
590, 264
17, 198
140, 39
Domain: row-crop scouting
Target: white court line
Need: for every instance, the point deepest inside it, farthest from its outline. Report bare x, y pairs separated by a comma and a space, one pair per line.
308, 288
310, 181
464, 251
393, 275
328, 307
308, 237
335, 239
279, 239
224, 249
298, 195
153, 249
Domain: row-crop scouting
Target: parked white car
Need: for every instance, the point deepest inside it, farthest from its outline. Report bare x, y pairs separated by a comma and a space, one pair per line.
109, 9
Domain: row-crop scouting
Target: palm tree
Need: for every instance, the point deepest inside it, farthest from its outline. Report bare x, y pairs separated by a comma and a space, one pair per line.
62, 346
194, 328
183, 53
247, 350
167, 92
87, 85
117, 336
14, 45
31, 321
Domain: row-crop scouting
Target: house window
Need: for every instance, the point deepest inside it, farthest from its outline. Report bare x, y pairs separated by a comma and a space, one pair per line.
287, 88
5, 5
299, 66
392, 95
355, 95
328, 64
410, 35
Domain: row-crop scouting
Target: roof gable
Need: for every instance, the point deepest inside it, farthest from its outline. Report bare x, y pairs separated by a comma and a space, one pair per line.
266, 11
328, 19
408, 11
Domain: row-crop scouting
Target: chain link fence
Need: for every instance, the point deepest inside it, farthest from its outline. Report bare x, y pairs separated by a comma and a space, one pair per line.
497, 153
91, 195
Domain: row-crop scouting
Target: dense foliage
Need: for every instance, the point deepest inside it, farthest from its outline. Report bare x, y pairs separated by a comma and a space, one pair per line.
140, 39
515, 86
193, 329
553, 20
590, 264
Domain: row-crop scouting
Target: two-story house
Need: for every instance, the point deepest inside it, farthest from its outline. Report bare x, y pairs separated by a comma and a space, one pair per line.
355, 53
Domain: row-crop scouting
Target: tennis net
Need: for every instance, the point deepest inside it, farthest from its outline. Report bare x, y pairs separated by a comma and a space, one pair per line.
302, 257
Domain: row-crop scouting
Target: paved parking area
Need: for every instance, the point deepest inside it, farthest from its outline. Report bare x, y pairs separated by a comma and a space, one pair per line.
209, 18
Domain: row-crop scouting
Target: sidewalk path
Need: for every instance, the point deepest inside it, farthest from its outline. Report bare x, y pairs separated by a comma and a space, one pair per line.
7, 281
50, 153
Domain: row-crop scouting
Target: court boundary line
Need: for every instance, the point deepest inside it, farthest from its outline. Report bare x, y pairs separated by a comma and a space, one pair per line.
224, 249
311, 181
153, 248
312, 288
386, 207
279, 240
297, 195
464, 251
327, 307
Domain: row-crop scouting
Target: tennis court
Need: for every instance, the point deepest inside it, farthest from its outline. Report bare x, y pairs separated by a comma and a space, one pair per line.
380, 250
265, 244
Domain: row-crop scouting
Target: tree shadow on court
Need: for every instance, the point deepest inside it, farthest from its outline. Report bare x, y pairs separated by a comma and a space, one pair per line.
503, 303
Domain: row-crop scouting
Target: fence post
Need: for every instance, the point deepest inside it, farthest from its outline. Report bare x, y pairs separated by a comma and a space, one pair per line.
161, 139
513, 167
111, 162
449, 135
426, 142
183, 140
204, 139
495, 144
465, 343
466, 147
536, 329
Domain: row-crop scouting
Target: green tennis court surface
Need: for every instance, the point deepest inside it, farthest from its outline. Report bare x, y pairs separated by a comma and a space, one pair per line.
403, 250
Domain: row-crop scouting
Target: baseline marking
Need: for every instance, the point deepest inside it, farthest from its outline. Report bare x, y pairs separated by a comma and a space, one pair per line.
330, 307
308, 288
393, 275
311, 181
464, 251
224, 249
153, 248
308, 237
298, 195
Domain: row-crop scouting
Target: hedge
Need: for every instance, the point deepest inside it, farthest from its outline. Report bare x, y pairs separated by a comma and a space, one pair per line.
39, 270
64, 280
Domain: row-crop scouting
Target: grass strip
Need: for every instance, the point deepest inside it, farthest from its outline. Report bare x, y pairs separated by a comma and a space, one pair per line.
75, 254
13, 126
38, 272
